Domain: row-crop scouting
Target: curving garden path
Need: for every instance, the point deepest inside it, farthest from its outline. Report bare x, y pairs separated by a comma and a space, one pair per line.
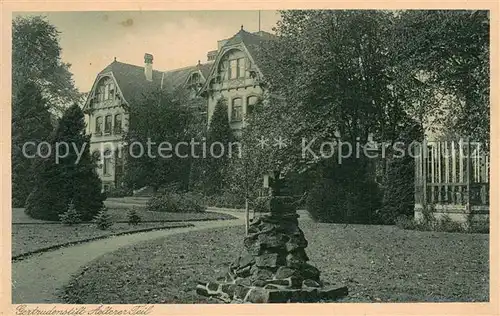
37, 279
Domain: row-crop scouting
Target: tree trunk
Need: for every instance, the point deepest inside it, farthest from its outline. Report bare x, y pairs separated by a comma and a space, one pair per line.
247, 216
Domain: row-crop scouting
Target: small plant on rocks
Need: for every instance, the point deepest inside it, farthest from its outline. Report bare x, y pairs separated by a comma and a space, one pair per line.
71, 216
133, 217
103, 219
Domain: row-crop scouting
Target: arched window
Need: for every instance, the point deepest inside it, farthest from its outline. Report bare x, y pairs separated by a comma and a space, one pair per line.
107, 162
96, 156
236, 110
118, 124
251, 101
98, 125
108, 124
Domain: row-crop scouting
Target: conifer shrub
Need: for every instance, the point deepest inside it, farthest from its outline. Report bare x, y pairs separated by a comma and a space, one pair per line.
102, 219
71, 216
72, 178
133, 218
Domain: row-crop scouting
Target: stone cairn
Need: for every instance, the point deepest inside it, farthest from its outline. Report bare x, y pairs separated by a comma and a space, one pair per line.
274, 268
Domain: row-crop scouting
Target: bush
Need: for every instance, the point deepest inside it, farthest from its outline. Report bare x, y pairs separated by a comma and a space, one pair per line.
345, 193
479, 227
133, 218
443, 224
226, 199
177, 203
406, 222
119, 192
446, 224
103, 219
71, 216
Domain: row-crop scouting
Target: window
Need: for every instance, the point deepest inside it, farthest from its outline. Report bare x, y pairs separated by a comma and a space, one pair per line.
96, 156
107, 124
241, 67
107, 162
233, 68
194, 79
236, 110
111, 94
106, 91
251, 101
98, 125
237, 68
118, 124
106, 187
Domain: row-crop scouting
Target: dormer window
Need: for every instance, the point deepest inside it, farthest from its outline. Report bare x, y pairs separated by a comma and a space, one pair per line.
106, 90
237, 68
194, 80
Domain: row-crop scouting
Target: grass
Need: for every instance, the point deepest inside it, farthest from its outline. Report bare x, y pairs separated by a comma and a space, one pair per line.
120, 215
27, 238
377, 263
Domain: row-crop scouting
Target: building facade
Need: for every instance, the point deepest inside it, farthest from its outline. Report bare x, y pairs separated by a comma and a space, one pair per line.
231, 72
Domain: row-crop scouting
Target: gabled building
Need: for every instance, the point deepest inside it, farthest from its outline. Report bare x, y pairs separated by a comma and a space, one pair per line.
231, 72
235, 75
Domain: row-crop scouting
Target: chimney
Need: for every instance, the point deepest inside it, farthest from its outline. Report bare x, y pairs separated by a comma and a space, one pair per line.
148, 66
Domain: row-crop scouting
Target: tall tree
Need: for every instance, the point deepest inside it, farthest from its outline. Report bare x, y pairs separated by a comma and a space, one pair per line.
330, 77
156, 118
447, 53
219, 143
31, 123
36, 56
70, 178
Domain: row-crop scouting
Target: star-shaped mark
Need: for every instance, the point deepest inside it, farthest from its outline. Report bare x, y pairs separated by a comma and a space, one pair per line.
263, 142
279, 142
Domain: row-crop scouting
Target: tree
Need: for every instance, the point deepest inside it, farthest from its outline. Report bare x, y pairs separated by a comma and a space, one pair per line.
447, 53
36, 54
71, 216
156, 118
31, 122
103, 219
399, 191
219, 143
71, 178
330, 79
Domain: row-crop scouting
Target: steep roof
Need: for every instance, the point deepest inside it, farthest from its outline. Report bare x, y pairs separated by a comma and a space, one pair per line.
174, 79
252, 41
133, 84
131, 79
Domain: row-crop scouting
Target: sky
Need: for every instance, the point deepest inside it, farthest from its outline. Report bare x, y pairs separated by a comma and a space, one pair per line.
91, 40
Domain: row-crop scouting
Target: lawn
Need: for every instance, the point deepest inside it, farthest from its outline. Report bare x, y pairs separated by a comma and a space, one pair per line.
30, 234
377, 263
32, 237
120, 215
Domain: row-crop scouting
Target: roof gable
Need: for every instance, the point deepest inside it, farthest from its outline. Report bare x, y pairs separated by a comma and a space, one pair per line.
176, 78
131, 79
250, 42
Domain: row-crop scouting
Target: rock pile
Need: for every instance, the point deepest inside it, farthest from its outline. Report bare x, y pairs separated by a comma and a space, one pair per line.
274, 268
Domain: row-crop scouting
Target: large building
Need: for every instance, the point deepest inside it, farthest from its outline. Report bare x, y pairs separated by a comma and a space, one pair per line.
231, 72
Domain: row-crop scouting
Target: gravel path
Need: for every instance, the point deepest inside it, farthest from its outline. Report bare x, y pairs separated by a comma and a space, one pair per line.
36, 279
